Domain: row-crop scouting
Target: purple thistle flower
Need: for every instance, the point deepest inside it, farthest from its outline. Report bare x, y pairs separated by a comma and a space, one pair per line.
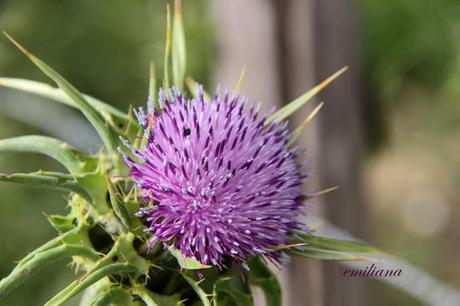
217, 183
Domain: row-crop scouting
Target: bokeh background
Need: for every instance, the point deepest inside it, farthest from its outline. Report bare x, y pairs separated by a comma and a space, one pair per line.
388, 135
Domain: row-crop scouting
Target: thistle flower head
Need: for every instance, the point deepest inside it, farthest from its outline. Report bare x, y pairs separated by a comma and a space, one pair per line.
217, 181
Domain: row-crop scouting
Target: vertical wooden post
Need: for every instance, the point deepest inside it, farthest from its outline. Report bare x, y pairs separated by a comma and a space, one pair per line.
249, 34
340, 135
303, 281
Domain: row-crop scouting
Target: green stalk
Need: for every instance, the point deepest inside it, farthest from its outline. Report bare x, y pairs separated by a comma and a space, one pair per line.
25, 271
87, 280
49, 245
56, 149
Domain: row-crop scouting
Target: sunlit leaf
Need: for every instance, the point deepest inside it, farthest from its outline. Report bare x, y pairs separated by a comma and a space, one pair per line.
336, 244
283, 113
240, 79
331, 249
298, 131
187, 263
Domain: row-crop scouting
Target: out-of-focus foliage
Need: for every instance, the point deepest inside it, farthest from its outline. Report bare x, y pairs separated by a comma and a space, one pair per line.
411, 65
104, 48
405, 42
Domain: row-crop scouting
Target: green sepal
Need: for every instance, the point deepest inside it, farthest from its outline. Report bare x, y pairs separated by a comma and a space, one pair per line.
124, 249
62, 223
96, 186
187, 263
260, 275
118, 206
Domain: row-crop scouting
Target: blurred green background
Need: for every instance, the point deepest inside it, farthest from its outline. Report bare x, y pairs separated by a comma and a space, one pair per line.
411, 67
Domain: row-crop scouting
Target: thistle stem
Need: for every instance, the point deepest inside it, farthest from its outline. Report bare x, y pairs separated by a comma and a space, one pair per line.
25, 271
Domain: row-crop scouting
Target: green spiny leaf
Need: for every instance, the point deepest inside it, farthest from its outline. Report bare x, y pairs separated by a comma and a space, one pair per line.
107, 111
90, 113
323, 254
336, 244
48, 245
37, 180
114, 295
60, 151
283, 113
331, 249
298, 131
40, 260
179, 59
154, 299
